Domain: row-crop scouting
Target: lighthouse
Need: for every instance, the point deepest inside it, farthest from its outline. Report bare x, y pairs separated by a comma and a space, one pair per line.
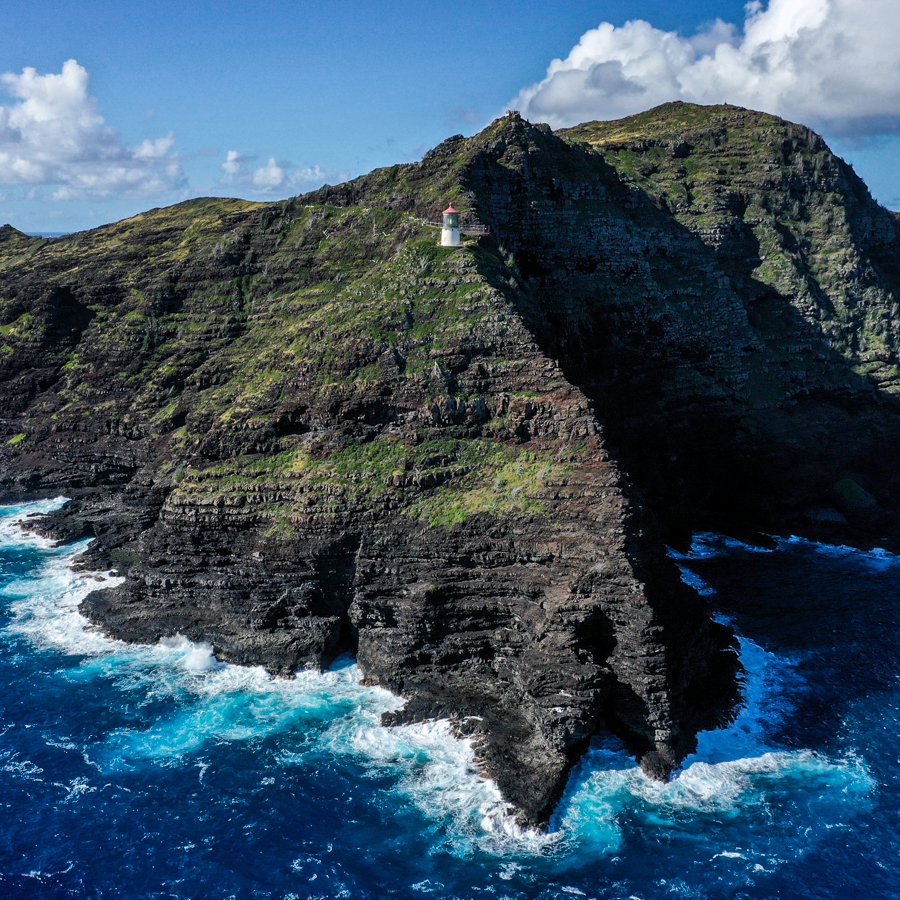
450, 228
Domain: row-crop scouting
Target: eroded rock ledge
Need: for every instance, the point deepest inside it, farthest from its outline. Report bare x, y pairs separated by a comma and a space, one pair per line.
302, 428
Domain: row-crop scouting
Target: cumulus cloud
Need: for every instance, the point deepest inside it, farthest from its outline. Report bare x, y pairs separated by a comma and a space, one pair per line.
272, 177
829, 63
54, 135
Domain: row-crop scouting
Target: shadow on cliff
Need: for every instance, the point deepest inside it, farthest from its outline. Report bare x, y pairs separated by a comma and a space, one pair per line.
728, 408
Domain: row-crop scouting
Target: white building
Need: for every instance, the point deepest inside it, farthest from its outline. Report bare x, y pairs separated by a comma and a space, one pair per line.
450, 228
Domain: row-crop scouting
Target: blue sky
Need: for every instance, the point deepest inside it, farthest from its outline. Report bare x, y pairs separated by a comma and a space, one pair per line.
172, 100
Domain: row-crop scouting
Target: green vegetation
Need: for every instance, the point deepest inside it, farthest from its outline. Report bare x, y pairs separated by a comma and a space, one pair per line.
773, 190
312, 353
440, 482
509, 481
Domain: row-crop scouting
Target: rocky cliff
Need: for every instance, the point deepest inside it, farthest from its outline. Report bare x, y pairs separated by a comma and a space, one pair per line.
303, 429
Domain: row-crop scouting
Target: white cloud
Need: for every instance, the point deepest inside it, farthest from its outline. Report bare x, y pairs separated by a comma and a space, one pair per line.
829, 63
55, 136
273, 177
157, 149
232, 166
268, 177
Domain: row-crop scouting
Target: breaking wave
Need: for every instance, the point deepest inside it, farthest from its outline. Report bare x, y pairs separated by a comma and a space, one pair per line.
735, 808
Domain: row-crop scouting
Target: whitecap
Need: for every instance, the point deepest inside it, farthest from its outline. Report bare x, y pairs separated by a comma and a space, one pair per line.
438, 772
434, 769
709, 544
21, 768
44, 606
12, 516
876, 558
195, 657
735, 774
735, 779
705, 544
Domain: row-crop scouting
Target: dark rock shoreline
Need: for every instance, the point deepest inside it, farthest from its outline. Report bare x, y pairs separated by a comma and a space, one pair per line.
301, 429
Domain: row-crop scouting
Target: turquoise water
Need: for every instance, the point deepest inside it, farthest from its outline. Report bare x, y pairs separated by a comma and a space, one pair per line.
157, 772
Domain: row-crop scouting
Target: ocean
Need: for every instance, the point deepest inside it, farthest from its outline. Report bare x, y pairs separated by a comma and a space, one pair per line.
158, 772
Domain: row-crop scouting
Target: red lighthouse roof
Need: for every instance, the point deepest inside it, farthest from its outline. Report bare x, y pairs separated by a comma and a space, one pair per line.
450, 209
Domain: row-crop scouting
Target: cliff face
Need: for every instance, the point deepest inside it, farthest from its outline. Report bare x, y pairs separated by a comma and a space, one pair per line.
753, 376
302, 428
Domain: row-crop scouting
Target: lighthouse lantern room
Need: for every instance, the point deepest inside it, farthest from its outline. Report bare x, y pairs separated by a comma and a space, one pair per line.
450, 228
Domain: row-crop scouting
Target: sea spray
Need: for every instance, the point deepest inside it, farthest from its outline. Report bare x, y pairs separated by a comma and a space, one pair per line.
127, 735
435, 769
735, 779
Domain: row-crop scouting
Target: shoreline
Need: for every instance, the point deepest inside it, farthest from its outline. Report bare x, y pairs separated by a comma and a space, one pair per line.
198, 658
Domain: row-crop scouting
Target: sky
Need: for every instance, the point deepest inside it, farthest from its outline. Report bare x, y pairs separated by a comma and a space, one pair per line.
108, 109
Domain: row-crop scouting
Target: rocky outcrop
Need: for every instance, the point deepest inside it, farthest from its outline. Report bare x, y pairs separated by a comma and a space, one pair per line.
302, 428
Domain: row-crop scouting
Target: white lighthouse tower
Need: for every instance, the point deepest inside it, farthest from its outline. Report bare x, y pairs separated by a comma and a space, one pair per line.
450, 228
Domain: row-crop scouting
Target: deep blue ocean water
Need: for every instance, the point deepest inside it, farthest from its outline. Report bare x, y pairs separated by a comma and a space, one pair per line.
156, 772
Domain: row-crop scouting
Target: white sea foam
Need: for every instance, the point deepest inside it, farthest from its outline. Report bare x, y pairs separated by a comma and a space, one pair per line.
439, 774
45, 603
770, 684
195, 657
735, 776
11, 518
696, 582
735, 773
877, 558
707, 544
221, 702
11, 763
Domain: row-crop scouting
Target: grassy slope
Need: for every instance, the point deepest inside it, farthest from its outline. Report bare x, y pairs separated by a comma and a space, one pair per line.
220, 331
801, 222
